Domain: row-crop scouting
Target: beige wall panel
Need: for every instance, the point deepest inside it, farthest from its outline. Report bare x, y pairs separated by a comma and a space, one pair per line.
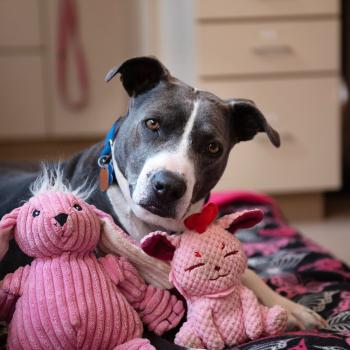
19, 23
21, 97
108, 36
306, 113
271, 47
209, 9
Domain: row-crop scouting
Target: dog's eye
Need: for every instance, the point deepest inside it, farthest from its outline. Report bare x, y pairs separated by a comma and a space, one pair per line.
77, 207
233, 252
35, 213
214, 148
152, 124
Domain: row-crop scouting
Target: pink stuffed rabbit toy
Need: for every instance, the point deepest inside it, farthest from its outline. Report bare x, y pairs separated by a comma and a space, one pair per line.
207, 263
67, 298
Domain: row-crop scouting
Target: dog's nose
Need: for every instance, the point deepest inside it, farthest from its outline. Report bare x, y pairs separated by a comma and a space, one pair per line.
217, 268
61, 218
168, 186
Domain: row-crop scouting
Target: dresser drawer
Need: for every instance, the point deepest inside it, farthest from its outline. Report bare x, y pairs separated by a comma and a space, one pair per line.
273, 47
19, 23
306, 113
209, 9
21, 97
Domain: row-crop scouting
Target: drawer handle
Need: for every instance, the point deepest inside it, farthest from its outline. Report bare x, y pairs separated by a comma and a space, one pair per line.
264, 50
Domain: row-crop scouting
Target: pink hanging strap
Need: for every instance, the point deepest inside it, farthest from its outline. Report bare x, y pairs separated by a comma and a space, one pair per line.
69, 39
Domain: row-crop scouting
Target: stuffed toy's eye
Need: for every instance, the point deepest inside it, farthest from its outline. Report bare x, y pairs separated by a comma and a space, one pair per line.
152, 124
233, 252
77, 207
194, 267
35, 213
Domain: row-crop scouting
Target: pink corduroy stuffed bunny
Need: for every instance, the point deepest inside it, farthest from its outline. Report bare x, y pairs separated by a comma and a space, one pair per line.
67, 298
207, 263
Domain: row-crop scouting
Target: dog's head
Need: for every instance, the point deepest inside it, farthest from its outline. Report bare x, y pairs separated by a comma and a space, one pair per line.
173, 145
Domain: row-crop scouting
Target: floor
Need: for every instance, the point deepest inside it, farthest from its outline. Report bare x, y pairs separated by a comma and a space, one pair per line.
333, 231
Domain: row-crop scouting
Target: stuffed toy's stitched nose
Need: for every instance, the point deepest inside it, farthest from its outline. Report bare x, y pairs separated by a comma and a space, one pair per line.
61, 218
217, 268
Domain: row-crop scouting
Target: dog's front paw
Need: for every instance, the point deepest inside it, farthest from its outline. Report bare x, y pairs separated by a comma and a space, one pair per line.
299, 316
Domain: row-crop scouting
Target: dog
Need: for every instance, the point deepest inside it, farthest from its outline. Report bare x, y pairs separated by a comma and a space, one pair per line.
167, 152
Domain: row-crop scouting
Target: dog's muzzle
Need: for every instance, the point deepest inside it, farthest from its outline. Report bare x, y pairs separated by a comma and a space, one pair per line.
165, 189
167, 186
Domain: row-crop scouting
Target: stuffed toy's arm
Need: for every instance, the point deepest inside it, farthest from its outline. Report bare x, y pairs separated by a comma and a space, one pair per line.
204, 325
159, 310
11, 288
252, 313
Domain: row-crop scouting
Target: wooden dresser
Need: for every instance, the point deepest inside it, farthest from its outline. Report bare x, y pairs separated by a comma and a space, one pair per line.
284, 55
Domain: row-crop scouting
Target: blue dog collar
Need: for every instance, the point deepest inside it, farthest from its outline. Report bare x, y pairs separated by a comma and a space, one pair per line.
105, 159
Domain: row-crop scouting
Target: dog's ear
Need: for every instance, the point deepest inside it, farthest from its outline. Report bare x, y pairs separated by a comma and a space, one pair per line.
160, 245
139, 74
243, 219
7, 226
247, 121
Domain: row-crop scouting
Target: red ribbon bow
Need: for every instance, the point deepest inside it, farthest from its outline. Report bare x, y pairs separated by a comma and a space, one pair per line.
199, 222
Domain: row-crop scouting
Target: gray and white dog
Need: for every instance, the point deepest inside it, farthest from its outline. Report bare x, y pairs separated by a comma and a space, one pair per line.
169, 151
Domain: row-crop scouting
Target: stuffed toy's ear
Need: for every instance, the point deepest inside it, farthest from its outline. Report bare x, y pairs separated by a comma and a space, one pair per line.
103, 216
7, 226
106, 222
160, 245
242, 219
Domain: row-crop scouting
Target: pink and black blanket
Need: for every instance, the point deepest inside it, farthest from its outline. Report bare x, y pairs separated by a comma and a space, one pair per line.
298, 269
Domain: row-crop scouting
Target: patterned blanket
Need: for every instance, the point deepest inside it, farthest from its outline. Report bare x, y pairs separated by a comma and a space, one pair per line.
297, 268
